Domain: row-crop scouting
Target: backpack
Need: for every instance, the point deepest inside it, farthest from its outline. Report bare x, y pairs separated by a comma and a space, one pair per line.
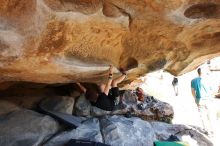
78, 142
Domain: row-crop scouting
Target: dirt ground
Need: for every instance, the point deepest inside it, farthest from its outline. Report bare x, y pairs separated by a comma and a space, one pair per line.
159, 85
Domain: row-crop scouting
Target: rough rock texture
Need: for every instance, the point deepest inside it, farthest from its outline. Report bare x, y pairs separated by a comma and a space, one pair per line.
58, 104
89, 130
29, 95
26, 127
82, 106
153, 109
19, 127
163, 131
7, 107
60, 41
27, 102
121, 131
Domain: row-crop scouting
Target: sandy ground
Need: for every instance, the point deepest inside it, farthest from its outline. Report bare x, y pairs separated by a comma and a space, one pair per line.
159, 84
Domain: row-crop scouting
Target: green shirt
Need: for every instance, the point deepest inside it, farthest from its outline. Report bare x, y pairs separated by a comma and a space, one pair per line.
166, 143
198, 85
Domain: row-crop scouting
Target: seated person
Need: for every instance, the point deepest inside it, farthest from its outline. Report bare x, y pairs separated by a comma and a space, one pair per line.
105, 96
140, 94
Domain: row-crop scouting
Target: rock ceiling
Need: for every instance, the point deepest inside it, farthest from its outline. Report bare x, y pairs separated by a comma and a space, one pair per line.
61, 41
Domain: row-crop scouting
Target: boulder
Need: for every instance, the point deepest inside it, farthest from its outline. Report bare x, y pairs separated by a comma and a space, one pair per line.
82, 106
152, 109
129, 97
88, 130
121, 131
27, 102
7, 107
26, 128
186, 133
63, 104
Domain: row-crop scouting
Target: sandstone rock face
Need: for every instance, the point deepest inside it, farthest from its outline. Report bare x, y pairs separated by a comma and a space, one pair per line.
61, 41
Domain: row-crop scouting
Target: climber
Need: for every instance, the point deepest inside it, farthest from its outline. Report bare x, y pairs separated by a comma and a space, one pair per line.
106, 96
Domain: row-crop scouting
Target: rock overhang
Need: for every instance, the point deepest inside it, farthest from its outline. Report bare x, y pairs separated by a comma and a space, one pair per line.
64, 41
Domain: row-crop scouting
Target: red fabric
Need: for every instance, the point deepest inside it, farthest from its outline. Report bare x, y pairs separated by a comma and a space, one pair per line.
140, 94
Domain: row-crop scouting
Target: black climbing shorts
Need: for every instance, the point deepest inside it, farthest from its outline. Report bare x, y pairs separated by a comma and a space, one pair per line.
107, 102
114, 92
